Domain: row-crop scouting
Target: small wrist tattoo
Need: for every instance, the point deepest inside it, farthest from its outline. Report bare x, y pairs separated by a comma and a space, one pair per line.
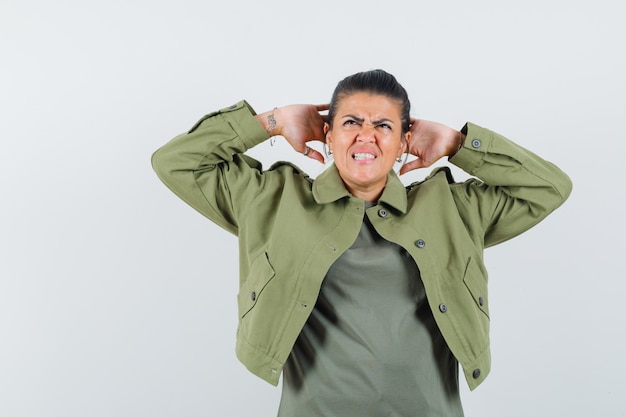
271, 122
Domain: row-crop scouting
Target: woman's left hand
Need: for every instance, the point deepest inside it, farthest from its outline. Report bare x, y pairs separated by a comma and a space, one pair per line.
431, 141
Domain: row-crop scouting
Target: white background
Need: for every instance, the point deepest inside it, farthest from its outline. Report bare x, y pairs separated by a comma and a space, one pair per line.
117, 299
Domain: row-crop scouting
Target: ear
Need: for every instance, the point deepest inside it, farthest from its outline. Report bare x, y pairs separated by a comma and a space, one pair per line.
404, 143
327, 133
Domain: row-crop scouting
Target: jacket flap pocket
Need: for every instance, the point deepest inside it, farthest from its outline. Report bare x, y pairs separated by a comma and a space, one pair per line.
475, 280
260, 274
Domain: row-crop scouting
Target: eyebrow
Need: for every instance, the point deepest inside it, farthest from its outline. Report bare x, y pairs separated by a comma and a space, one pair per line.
361, 120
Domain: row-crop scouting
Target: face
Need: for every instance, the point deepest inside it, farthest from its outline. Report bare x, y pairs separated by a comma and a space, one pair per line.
366, 139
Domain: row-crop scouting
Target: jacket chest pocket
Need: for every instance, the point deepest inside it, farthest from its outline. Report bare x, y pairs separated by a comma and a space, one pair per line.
475, 280
261, 273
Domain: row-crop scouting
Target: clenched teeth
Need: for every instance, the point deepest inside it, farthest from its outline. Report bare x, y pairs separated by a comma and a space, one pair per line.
362, 156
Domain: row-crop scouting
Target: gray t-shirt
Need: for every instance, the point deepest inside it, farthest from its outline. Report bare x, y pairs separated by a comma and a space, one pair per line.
371, 346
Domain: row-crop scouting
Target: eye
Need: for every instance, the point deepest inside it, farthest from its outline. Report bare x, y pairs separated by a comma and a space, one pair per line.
384, 126
349, 122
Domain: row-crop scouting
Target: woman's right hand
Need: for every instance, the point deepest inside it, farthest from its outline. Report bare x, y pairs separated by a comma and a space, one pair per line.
298, 124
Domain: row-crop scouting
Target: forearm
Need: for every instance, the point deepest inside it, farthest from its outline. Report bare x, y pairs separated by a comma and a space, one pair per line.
499, 161
521, 188
213, 139
189, 163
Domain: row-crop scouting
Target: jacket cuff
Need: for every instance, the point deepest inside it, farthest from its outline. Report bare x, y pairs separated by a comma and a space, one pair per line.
240, 117
477, 143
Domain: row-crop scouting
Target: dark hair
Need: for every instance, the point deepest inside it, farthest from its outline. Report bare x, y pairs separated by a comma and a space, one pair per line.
376, 82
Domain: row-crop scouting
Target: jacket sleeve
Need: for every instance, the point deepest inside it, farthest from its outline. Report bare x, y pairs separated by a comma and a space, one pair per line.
515, 188
206, 166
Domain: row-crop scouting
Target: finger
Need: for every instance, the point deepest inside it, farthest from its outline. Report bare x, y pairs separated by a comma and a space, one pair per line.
322, 107
322, 138
410, 166
313, 154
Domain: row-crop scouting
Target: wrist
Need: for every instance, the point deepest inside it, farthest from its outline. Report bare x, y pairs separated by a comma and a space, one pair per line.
267, 121
460, 140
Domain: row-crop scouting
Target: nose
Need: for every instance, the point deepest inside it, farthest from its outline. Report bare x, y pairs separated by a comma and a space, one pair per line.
367, 133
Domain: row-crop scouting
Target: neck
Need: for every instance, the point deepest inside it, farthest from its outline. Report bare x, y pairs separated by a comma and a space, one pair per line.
371, 194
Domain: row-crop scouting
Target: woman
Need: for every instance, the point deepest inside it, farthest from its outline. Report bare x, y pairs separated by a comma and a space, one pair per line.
365, 294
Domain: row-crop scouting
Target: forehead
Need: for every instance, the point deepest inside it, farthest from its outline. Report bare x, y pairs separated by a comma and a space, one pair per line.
369, 105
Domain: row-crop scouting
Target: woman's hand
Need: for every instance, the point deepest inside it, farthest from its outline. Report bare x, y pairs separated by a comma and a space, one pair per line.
431, 141
298, 124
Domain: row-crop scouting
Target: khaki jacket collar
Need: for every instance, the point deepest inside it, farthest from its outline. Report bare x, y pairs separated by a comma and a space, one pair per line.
329, 187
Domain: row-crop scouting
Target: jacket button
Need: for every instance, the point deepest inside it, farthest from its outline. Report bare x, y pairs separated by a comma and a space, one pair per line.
420, 243
382, 212
443, 308
476, 373
476, 143
481, 301
253, 295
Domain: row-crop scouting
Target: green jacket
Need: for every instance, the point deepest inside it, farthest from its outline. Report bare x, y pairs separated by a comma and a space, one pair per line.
292, 228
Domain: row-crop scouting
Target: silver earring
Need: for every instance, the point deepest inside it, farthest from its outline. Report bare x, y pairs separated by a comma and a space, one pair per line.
406, 154
327, 151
